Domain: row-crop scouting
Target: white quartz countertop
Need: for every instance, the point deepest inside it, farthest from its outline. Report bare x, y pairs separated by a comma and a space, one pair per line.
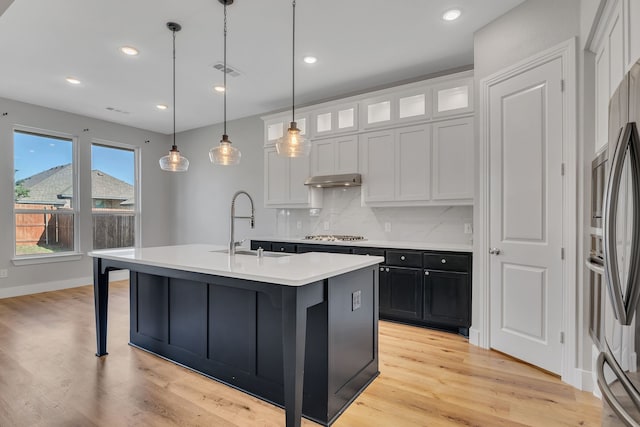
391, 244
290, 270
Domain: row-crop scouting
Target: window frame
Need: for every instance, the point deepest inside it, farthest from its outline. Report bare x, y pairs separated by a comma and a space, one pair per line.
76, 253
137, 164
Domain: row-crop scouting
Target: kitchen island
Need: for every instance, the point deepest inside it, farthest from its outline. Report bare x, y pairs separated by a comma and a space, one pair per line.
300, 331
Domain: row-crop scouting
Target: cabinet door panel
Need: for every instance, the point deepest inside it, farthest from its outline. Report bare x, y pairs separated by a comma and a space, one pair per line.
276, 182
413, 156
447, 298
378, 170
298, 173
322, 157
452, 166
405, 292
346, 154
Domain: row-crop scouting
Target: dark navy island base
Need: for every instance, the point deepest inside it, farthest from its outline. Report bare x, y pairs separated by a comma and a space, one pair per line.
311, 349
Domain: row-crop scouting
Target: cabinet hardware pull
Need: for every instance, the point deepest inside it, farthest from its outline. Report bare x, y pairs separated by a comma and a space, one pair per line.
426, 273
494, 251
382, 269
444, 261
402, 258
387, 270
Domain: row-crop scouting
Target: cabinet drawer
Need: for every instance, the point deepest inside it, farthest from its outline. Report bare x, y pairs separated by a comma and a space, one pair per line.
369, 251
255, 244
283, 247
335, 249
404, 258
446, 262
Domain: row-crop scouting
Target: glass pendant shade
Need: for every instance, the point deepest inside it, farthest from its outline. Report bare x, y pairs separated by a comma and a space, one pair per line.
224, 154
293, 144
174, 162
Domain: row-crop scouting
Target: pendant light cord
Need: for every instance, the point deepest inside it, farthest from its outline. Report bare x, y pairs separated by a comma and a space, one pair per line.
174, 88
225, 69
293, 66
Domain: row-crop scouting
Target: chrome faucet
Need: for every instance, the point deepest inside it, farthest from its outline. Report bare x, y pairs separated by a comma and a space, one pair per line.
232, 242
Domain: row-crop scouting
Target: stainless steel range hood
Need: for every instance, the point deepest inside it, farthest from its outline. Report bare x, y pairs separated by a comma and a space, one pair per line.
342, 180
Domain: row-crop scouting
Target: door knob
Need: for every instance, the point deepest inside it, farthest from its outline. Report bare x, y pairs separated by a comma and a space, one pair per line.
494, 251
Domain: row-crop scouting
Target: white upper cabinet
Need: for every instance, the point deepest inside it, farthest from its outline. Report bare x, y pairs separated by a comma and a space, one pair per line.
335, 155
453, 97
275, 128
609, 41
421, 165
394, 108
335, 120
395, 167
632, 32
413, 145
378, 166
452, 163
284, 182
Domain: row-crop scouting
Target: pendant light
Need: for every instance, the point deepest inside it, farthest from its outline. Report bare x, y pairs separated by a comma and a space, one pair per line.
225, 154
174, 162
293, 144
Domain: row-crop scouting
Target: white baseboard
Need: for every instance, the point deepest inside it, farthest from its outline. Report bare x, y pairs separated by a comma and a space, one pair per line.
36, 288
585, 379
474, 337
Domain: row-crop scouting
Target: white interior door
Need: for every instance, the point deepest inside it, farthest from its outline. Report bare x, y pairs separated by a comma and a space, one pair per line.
526, 197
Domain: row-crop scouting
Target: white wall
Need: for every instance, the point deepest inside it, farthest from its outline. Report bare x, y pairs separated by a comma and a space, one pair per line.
203, 195
344, 214
156, 189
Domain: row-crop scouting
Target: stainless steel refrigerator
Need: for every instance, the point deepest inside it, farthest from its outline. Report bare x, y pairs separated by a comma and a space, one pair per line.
617, 364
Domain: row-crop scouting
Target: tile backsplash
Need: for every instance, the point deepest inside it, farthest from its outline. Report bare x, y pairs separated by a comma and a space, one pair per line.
342, 213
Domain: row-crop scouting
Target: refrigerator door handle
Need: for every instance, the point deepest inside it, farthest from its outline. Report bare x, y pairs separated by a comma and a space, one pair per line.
623, 305
607, 393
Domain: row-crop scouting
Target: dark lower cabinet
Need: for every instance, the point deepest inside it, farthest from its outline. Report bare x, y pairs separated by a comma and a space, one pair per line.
400, 292
419, 287
447, 298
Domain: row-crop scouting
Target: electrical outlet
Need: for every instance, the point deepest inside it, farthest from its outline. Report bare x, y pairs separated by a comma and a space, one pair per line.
356, 300
4, 273
468, 228
387, 227
326, 225
299, 225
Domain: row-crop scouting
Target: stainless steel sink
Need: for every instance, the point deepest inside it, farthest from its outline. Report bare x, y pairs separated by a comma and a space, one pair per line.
254, 253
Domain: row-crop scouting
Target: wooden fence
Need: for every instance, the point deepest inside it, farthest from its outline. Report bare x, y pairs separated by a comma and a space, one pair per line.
113, 230
51, 229
54, 229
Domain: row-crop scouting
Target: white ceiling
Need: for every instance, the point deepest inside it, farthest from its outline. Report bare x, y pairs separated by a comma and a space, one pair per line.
360, 44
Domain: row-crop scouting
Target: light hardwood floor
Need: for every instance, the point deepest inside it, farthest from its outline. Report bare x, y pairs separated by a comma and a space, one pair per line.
49, 376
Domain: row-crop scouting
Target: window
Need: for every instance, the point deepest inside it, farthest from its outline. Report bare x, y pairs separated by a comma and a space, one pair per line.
45, 205
115, 212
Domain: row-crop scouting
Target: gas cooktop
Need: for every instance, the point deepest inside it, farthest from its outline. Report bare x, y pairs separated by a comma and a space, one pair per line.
334, 238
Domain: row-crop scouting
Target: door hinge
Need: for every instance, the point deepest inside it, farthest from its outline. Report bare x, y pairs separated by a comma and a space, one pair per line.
561, 253
561, 337
561, 85
562, 169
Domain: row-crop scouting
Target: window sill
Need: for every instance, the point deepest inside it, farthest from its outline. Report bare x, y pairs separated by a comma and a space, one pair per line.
46, 259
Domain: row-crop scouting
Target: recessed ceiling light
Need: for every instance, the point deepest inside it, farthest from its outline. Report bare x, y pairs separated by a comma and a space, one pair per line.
161, 107
128, 50
218, 88
310, 59
451, 15
73, 80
